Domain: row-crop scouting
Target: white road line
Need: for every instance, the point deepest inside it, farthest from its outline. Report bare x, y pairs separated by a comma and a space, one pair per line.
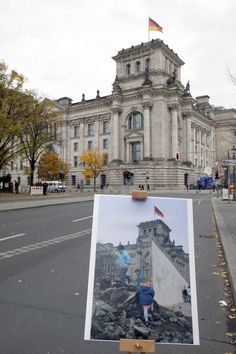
38, 245
87, 217
9, 237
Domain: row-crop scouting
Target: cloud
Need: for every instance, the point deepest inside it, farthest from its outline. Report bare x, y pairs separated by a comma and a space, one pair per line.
65, 48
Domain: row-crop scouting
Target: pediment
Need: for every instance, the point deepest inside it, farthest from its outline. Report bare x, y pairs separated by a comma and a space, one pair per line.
134, 135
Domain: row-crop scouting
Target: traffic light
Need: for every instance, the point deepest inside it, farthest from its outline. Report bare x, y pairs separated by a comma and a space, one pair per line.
126, 174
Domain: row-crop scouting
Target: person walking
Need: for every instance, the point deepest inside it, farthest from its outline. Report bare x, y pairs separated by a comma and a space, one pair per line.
185, 294
124, 262
189, 294
17, 187
145, 295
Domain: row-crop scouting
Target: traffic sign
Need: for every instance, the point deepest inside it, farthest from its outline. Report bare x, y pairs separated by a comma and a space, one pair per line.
228, 162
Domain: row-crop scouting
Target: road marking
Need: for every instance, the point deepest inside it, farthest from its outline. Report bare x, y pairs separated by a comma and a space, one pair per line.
9, 237
38, 245
87, 217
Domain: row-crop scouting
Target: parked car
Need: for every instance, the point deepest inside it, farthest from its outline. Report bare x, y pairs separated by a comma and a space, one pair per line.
55, 187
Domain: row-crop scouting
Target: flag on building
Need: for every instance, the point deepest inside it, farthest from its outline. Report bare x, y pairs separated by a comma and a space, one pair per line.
153, 26
158, 212
16, 76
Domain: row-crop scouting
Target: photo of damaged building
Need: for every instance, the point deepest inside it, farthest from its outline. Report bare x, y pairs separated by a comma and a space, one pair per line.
117, 314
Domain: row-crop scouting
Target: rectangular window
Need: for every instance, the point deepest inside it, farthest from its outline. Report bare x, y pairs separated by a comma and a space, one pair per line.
136, 151
75, 161
21, 165
90, 145
12, 165
105, 127
73, 180
76, 131
90, 129
75, 146
105, 144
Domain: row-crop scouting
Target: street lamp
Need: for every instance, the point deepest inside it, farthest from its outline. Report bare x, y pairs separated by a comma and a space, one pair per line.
233, 150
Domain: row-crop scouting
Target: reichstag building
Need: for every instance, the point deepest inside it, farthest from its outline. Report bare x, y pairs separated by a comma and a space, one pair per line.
150, 125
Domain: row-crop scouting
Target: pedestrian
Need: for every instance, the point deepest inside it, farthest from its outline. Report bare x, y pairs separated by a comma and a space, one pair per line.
139, 277
105, 282
124, 263
145, 295
189, 294
185, 294
45, 187
17, 187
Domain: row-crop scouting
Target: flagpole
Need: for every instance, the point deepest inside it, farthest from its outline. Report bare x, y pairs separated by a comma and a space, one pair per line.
148, 30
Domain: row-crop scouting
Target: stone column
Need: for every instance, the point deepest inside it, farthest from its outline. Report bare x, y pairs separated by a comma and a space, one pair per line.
147, 137
96, 133
127, 157
194, 142
199, 147
189, 147
115, 133
81, 134
174, 130
205, 150
67, 143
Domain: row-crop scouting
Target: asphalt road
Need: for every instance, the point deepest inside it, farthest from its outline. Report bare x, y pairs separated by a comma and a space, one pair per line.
44, 260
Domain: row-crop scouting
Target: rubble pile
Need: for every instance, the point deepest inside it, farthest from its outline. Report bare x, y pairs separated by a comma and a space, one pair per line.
118, 314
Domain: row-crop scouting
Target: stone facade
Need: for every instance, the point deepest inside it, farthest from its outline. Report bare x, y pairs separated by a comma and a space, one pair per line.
150, 125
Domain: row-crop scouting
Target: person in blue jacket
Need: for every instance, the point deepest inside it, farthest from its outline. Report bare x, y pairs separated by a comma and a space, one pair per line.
124, 262
145, 295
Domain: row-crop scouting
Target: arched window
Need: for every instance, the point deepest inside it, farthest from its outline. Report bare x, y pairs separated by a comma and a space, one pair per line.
135, 121
128, 69
137, 67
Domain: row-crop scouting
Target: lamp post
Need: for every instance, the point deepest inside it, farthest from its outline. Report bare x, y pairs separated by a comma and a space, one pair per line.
233, 150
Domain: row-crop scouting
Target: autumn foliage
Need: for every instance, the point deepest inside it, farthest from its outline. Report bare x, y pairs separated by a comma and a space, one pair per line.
51, 164
94, 163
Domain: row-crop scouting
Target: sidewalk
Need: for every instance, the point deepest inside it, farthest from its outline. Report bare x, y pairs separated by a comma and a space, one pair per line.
23, 201
225, 214
12, 201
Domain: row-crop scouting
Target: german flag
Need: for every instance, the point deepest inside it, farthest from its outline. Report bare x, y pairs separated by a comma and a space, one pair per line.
153, 26
16, 76
157, 212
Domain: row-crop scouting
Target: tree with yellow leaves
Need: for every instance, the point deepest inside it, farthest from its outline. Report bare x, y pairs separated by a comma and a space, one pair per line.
94, 163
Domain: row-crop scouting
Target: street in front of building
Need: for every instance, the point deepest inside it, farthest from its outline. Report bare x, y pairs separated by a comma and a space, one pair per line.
44, 277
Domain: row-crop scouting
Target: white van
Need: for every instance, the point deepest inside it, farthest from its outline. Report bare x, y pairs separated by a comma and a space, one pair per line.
55, 187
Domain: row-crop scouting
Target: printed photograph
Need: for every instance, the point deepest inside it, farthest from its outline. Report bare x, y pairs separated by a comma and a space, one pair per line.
142, 272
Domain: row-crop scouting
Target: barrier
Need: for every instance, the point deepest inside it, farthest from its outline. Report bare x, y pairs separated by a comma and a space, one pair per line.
36, 190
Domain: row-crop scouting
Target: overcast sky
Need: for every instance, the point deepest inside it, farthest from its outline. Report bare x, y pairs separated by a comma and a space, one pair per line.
118, 216
64, 47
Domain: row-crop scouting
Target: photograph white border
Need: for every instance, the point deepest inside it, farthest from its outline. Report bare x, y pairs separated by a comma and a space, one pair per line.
94, 240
